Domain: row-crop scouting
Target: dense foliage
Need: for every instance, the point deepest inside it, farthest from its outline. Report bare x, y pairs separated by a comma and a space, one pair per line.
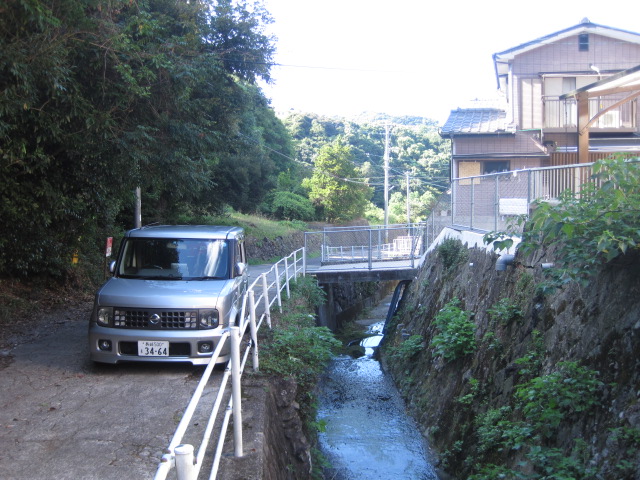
455, 335
539, 406
415, 147
332, 188
296, 347
101, 97
599, 223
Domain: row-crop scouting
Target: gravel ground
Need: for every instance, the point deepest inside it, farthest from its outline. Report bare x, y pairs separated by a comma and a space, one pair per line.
63, 417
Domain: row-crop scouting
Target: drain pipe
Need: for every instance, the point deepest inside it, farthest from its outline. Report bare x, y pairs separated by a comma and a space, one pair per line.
503, 261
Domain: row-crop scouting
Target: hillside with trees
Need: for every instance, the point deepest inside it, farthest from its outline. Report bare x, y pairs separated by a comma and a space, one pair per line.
101, 98
414, 147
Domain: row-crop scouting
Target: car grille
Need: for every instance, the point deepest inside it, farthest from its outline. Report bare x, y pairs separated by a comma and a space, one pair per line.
156, 319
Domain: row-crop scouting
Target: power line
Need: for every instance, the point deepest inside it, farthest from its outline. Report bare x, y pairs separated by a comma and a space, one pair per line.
321, 67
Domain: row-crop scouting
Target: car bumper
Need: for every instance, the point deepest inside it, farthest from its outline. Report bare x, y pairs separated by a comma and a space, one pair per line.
184, 346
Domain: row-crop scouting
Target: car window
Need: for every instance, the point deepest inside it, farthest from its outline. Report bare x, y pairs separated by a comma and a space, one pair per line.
171, 259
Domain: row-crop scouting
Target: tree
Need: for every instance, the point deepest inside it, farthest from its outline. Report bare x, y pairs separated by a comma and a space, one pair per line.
98, 98
330, 188
416, 147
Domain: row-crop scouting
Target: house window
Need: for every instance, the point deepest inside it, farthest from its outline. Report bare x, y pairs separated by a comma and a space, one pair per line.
583, 42
468, 169
495, 167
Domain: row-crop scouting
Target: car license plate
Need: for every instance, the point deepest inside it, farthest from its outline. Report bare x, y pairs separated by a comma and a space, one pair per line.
153, 348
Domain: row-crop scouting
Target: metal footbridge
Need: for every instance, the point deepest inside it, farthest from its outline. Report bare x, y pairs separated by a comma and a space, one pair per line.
365, 254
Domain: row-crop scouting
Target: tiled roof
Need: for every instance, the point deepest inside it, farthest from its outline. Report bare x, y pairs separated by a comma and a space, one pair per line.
477, 121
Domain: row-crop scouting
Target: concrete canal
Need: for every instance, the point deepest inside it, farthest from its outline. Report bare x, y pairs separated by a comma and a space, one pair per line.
368, 433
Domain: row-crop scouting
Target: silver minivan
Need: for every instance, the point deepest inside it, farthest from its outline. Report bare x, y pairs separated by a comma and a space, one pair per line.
174, 291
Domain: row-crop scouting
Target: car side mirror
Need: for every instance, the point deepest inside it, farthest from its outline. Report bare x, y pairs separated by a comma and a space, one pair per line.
240, 269
112, 266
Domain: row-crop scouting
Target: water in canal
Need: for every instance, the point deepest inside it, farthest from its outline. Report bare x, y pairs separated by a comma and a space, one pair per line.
368, 433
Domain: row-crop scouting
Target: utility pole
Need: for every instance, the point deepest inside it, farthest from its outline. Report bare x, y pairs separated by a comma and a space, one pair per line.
137, 214
387, 129
408, 204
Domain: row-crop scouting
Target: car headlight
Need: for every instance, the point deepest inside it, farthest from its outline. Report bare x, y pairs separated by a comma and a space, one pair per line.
104, 316
208, 318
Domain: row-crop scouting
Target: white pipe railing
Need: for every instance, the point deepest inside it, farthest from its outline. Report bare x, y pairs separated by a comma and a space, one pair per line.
258, 295
366, 244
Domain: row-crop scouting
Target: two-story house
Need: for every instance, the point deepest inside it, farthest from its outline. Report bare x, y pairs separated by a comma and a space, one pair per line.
581, 80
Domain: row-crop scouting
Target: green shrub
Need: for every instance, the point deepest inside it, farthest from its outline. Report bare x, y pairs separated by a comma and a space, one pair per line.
627, 442
299, 351
408, 348
505, 311
456, 333
474, 390
587, 228
548, 400
529, 426
497, 432
296, 347
453, 253
291, 206
531, 363
305, 294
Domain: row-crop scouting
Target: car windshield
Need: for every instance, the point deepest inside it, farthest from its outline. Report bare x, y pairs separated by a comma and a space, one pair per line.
174, 259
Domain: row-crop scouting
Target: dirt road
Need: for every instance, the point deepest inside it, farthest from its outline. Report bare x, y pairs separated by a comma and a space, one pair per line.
62, 417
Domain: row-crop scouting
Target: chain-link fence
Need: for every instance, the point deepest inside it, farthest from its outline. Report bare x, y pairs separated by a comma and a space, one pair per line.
491, 202
483, 203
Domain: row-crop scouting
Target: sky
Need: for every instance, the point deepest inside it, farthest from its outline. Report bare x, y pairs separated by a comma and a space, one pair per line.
409, 57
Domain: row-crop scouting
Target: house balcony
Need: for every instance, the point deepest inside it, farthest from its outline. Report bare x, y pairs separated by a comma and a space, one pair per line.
562, 115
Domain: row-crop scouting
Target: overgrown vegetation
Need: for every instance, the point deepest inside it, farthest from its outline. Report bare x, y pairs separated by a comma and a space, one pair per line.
101, 98
505, 311
295, 347
453, 253
456, 335
545, 402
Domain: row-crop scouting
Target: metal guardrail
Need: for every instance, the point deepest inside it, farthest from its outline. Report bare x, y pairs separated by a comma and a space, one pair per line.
262, 294
365, 244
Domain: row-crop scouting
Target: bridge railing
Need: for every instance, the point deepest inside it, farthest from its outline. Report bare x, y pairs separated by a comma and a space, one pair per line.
265, 292
365, 245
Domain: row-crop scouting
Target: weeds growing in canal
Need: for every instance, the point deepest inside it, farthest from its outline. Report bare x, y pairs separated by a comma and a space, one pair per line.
296, 348
456, 332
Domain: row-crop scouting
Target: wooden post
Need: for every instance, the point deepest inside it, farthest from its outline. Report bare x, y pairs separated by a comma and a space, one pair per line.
583, 129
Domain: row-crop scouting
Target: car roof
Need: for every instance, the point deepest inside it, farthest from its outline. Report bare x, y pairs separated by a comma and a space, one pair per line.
187, 231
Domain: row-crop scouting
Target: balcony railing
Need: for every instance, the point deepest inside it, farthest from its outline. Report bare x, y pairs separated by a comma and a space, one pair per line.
563, 114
